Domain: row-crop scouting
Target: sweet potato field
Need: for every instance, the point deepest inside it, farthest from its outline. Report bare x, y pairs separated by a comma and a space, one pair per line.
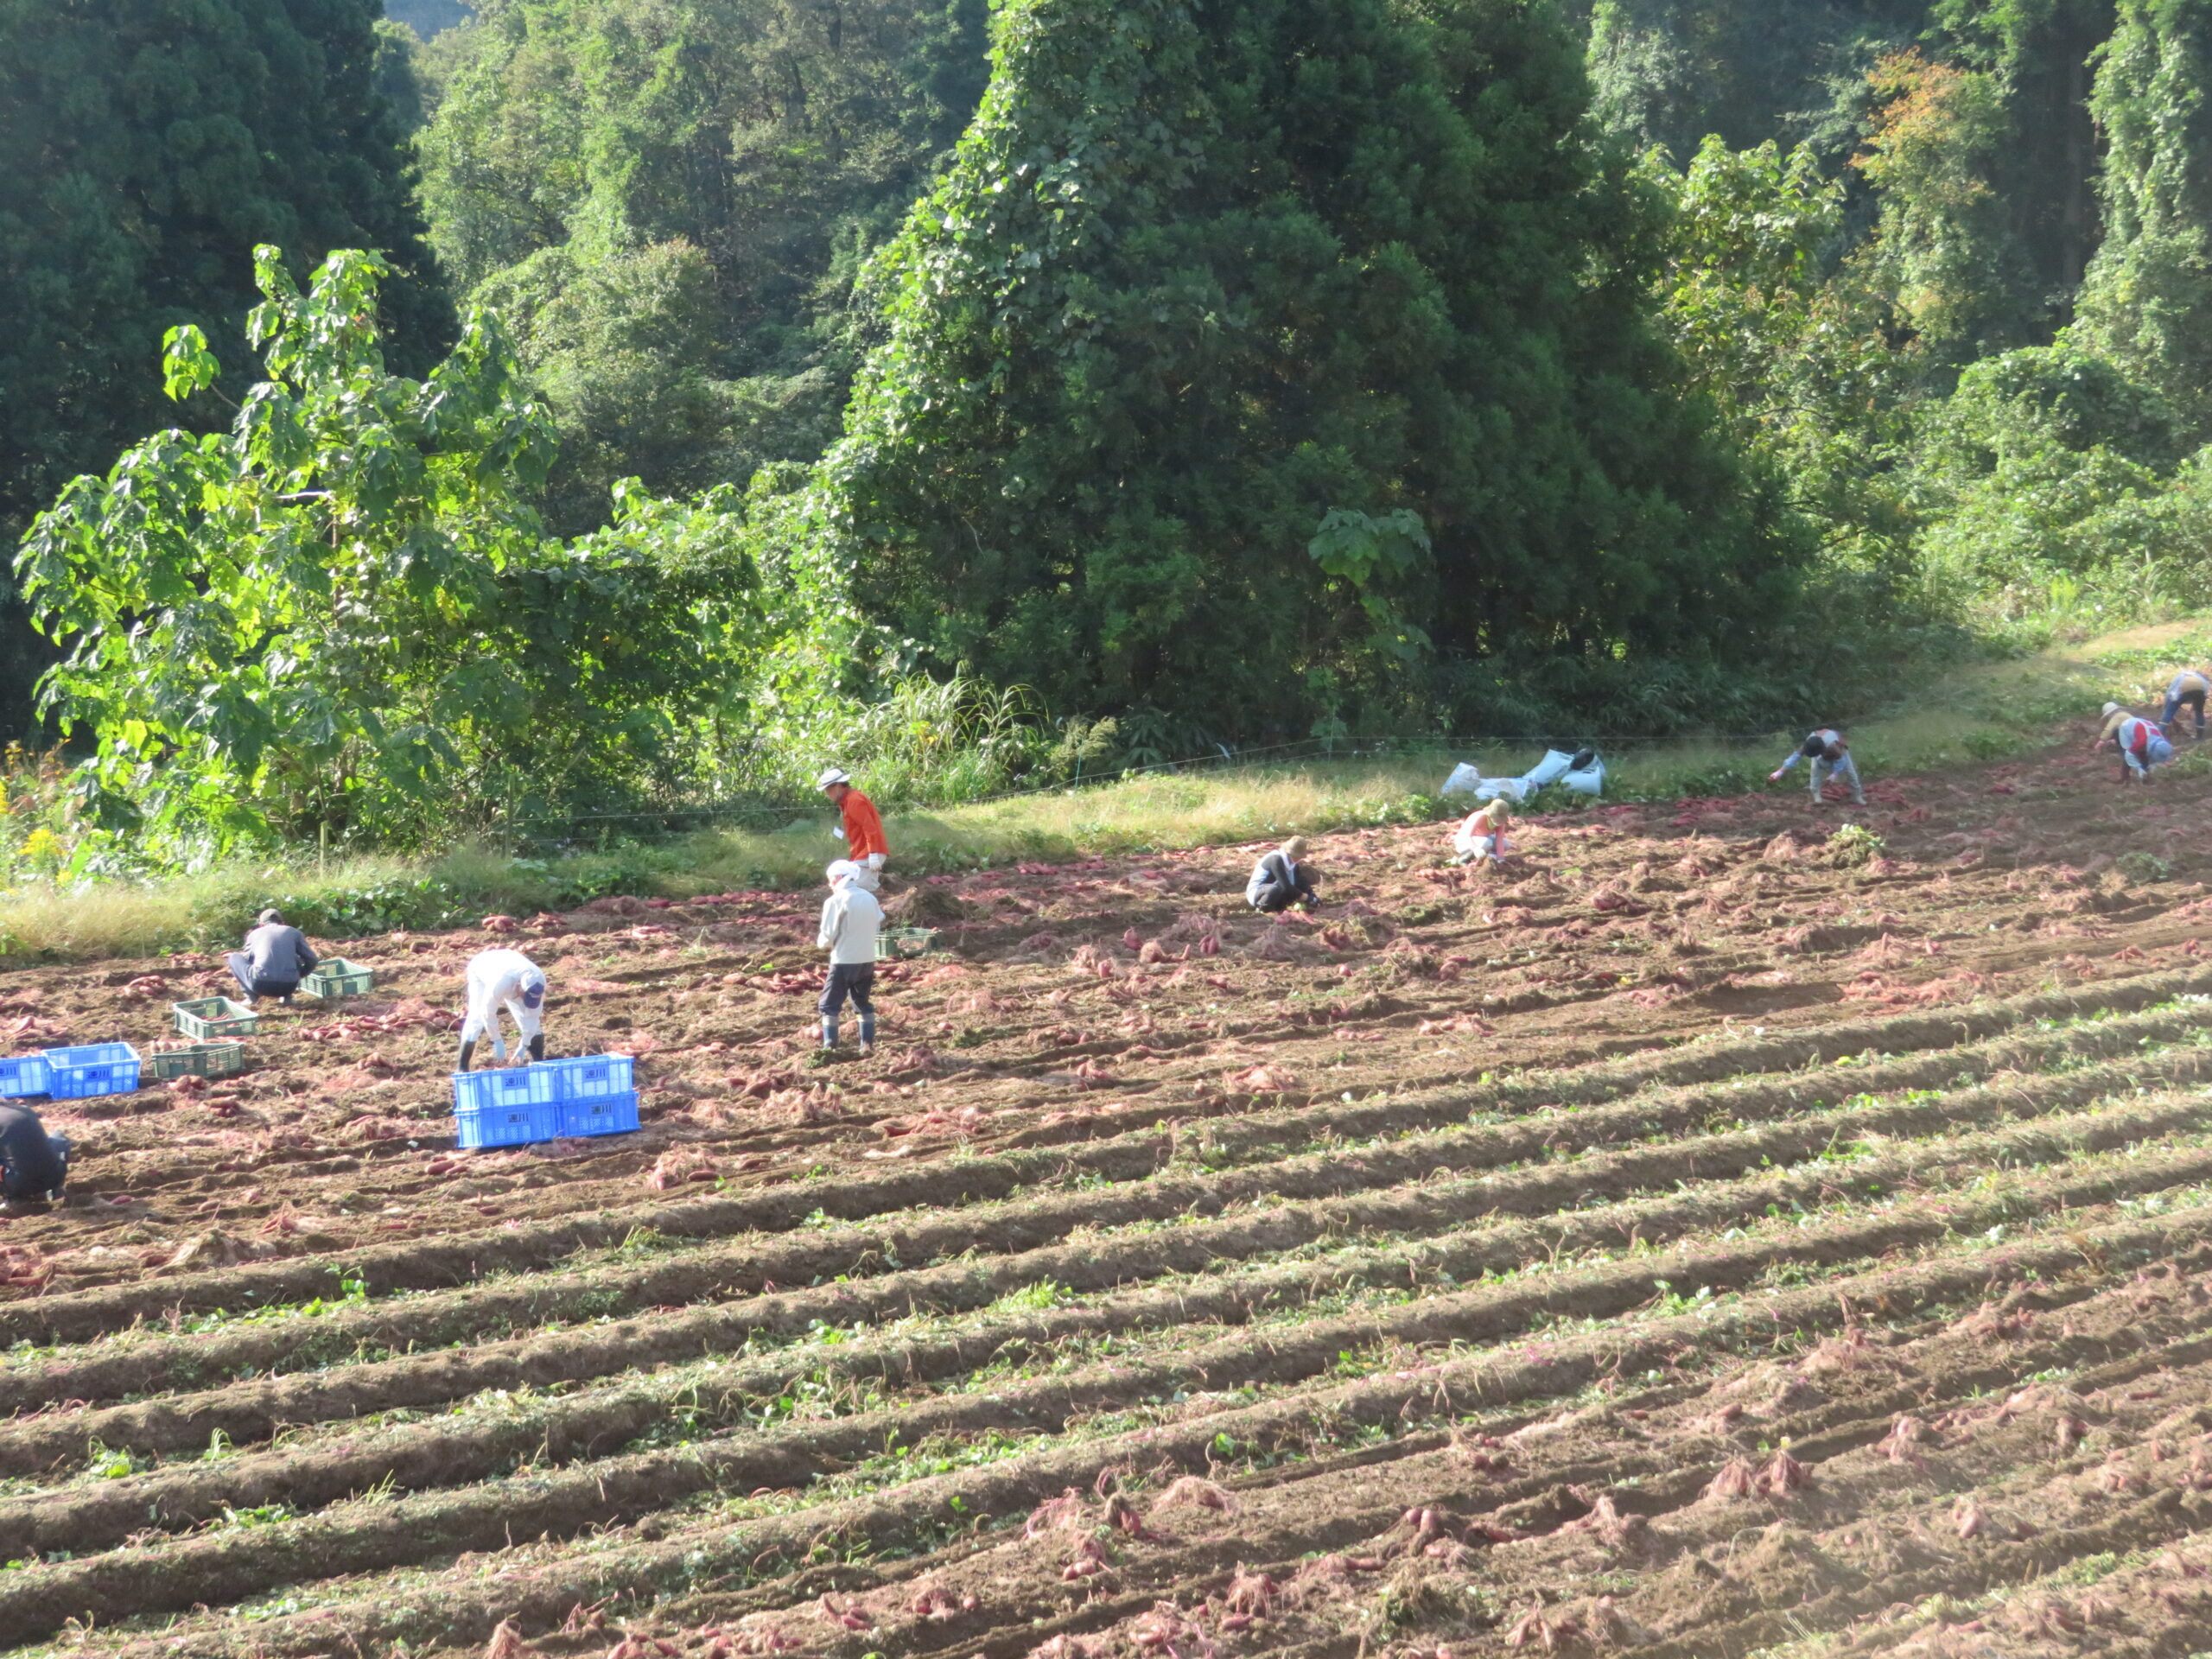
1705, 1237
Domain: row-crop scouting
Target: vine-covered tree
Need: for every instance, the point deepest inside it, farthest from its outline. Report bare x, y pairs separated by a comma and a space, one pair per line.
1199, 278
2147, 303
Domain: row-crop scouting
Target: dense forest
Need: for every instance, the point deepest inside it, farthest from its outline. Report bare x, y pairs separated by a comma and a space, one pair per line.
542, 404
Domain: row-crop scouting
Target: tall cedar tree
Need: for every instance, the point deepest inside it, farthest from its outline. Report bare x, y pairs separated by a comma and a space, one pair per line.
1198, 276
145, 147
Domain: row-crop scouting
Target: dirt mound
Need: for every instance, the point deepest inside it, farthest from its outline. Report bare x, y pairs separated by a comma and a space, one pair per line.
927, 904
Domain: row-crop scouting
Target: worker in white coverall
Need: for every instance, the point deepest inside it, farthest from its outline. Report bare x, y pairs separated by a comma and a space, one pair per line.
505, 979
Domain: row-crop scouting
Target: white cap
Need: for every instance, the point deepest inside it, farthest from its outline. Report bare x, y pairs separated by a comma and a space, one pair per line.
841, 870
2111, 709
833, 775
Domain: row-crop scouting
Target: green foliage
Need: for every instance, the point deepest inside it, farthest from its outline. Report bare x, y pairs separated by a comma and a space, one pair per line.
2147, 302
1670, 73
145, 147
669, 200
341, 611
1944, 250
1194, 280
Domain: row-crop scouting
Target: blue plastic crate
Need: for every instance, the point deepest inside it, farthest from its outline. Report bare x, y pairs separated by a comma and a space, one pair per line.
24, 1075
91, 1068
591, 1077
599, 1115
508, 1085
507, 1126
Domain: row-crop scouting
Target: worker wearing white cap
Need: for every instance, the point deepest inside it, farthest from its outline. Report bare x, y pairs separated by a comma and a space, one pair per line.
861, 829
851, 920
506, 979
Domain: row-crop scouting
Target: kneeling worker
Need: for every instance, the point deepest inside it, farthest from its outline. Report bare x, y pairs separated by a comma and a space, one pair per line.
1280, 880
859, 826
851, 920
33, 1163
505, 979
1831, 758
1482, 838
275, 958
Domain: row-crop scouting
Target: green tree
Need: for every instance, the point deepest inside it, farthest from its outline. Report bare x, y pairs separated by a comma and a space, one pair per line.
2147, 302
341, 610
1671, 72
1944, 251
1197, 279
672, 198
145, 147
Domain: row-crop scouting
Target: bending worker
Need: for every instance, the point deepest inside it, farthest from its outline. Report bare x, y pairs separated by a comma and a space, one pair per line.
275, 958
1282, 879
2187, 691
861, 829
505, 979
1831, 758
2141, 745
850, 921
1482, 837
33, 1163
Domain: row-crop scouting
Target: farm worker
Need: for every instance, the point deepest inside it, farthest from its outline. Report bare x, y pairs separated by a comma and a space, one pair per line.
2189, 691
1279, 880
508, 979
861, 830
2141, 745
850, 920
1482, 837
1831, 758
273, 961
33, 1163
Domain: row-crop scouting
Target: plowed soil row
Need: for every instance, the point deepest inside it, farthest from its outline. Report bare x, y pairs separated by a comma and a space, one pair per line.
1686, 1240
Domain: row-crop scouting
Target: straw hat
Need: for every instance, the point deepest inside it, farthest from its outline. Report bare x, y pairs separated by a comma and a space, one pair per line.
1295, 849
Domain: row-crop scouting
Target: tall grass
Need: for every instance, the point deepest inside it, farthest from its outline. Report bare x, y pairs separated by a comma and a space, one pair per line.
1978, 713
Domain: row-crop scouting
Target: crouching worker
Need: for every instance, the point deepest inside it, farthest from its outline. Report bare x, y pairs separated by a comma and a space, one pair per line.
2141, 744
2187, 691
1482, 839
33, 1165
851, 920
1831, 758
1280, 879
506, 979
275, 958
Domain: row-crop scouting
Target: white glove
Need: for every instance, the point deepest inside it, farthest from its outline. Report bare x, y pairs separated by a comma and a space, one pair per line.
838, 830
875, 860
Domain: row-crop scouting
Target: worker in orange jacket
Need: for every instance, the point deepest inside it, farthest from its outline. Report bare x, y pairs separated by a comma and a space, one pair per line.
861, 829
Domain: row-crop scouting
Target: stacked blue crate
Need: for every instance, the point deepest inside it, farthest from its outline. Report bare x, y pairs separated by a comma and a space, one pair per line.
511, 1106
597, 1093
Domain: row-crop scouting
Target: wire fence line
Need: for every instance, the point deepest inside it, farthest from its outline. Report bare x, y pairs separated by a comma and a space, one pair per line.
755, 812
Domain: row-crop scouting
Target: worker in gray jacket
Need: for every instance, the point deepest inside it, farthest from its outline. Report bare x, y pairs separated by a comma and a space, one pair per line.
275, 958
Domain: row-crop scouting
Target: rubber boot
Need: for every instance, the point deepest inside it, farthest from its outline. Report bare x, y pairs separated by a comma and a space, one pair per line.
829, 1031
537, 1047
867, 1034
467, 1048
